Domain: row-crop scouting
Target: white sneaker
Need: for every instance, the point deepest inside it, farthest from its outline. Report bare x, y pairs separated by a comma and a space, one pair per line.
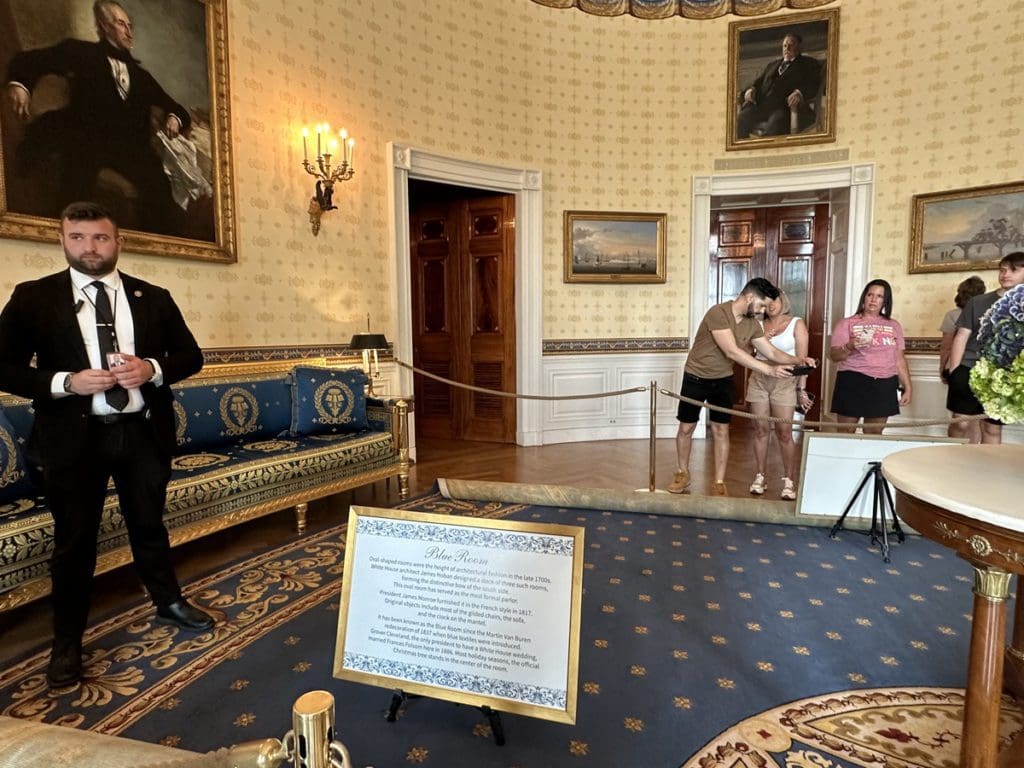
788, 491
757, 487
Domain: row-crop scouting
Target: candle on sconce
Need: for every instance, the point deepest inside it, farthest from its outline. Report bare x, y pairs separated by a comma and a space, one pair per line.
351, 153
305, 152
343, 134
319, 130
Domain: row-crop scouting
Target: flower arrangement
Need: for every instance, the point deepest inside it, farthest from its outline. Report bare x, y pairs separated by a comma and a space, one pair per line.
997, 379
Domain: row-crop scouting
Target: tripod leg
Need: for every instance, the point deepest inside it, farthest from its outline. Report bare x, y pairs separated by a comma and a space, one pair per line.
892, 510
879, 509
853, 499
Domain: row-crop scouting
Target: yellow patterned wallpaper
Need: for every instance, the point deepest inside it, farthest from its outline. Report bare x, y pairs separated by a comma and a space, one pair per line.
617, 113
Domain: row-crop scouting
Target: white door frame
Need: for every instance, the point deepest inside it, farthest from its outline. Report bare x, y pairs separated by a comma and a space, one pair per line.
858, 179
406, 163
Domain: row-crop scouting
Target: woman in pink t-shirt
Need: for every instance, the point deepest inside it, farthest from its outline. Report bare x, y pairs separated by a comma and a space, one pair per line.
872, 369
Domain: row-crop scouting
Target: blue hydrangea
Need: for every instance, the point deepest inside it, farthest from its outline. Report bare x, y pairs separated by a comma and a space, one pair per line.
1001, 332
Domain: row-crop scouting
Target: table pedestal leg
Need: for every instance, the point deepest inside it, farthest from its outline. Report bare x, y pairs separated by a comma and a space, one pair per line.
985, 668
1013, 662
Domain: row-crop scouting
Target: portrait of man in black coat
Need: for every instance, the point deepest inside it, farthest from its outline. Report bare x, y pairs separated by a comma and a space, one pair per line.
115, 117
781, 93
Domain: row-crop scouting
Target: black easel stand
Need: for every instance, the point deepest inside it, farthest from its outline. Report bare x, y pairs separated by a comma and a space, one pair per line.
493, 716
881, 502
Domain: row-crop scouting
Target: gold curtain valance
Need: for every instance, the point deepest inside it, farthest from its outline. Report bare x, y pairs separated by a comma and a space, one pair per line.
688, 9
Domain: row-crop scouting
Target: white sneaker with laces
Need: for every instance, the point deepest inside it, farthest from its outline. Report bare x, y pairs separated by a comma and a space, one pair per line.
788, 491
758, 486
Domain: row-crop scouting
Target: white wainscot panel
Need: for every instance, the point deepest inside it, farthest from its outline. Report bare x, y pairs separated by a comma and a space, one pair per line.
569, 383
622, 417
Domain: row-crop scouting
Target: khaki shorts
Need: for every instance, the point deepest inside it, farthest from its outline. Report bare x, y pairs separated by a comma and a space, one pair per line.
768, 389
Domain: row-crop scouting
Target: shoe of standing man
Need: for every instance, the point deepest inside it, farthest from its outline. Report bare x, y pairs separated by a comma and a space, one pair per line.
185, 616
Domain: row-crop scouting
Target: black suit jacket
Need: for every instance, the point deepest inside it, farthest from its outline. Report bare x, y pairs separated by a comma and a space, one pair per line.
96, 115
772, 89
40, 321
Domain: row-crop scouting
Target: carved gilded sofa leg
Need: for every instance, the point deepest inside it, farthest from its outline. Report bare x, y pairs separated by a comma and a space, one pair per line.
401, 435
300, 517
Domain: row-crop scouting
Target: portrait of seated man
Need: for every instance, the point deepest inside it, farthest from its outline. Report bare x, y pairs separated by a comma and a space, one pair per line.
86, 120
780, 100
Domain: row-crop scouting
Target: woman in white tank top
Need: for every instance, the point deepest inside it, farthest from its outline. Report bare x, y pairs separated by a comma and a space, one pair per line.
778, 397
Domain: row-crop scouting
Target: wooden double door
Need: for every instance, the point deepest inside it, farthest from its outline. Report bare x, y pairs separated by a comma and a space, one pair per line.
463, 296
788, 245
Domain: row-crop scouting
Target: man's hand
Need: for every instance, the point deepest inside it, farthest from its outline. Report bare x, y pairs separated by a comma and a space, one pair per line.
795, 99
172, 126
19, 99
134, 373
89, 381
782, 371
748, 96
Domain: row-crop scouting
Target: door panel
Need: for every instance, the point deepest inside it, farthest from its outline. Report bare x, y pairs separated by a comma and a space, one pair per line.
788, 246
432, 228
463, 269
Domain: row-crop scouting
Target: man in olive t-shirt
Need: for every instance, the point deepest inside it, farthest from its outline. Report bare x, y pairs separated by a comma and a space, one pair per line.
725, 336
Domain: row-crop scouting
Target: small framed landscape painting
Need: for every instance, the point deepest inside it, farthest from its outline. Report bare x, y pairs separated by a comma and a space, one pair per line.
614, 247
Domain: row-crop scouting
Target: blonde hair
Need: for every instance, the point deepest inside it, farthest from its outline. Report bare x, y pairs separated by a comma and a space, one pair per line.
786, 306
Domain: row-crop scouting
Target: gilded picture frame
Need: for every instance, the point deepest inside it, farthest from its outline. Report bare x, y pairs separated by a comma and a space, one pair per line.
68, 141
603, 247
759, 119
965, 229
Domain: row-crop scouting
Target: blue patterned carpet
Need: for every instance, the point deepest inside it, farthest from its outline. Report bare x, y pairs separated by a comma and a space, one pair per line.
689, 628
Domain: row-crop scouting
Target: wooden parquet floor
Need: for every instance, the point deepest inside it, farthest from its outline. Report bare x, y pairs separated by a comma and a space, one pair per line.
620, 464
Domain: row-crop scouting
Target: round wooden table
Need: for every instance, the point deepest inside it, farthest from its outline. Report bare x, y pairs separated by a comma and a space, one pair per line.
970, 498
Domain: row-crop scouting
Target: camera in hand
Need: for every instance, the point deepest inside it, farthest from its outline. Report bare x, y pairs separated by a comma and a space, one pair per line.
803, 370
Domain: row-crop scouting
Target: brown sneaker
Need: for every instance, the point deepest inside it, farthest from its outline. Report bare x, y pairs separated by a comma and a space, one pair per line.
680, 481
719, 489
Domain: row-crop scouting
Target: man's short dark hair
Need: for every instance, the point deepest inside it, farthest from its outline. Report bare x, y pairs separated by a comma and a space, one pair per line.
761, 288
968, 289
796, 36
86, 211
1013, 260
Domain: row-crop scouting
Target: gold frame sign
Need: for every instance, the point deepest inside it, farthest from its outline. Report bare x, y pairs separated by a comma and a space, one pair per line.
479, 612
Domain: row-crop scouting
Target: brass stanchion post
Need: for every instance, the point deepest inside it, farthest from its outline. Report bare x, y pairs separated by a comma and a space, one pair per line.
654, 434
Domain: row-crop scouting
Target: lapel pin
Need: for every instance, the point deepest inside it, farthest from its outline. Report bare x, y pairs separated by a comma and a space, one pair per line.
138, 294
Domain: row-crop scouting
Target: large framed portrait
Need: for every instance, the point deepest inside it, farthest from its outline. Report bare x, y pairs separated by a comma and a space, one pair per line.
126, 105
965, 229
782, 80
605, 247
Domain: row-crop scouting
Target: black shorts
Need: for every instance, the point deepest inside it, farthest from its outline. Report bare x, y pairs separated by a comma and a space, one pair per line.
960, 397
864, 397
712, 391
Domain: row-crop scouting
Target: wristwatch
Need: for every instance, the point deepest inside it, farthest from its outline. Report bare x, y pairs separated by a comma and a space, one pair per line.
67, 383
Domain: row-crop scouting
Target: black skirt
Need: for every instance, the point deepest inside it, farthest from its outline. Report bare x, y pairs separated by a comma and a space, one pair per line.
864, 397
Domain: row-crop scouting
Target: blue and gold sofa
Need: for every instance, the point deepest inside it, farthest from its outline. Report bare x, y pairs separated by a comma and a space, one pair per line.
253, 438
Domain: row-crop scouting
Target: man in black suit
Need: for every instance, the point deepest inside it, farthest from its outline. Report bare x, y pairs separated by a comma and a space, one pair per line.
785, 84
107, 121
107, 347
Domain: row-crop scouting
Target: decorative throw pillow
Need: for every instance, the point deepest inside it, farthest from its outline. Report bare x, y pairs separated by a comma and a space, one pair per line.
326, 400
14, 480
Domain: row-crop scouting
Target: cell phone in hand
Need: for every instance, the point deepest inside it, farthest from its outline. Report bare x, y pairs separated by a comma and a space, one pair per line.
803, 370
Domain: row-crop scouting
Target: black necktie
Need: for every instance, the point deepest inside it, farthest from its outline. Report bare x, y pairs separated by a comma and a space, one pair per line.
116, 396
784, 66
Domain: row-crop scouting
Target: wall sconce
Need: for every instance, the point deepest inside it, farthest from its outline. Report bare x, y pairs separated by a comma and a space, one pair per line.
368, 343
323, 171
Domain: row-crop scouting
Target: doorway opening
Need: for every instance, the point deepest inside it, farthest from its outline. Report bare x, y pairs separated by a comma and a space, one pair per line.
462, 264
842, 195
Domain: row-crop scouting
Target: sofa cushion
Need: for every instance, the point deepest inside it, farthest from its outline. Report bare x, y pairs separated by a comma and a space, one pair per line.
328, 401
15, 486
216, 413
